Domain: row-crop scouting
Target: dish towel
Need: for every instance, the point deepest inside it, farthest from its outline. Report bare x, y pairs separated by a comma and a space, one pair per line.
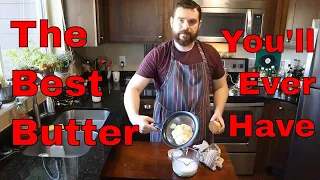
210, 155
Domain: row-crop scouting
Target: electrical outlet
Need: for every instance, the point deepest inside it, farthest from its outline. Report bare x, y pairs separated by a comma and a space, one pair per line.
287, 62
122, 59
252, 62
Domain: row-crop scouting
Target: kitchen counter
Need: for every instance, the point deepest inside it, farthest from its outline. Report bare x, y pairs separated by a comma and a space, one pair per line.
236, 97
262, 96
88, 166
152, 162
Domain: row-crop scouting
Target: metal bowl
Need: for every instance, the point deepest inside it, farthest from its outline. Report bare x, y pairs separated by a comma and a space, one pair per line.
180, 117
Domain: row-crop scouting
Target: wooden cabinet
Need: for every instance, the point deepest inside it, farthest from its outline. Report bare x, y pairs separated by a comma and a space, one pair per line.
300, 15
88, 14
139, 20
102, 24
146, 109
279, 147
272, 153
283, 15
274, 22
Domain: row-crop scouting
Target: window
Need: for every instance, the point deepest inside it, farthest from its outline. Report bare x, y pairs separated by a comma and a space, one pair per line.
9, 37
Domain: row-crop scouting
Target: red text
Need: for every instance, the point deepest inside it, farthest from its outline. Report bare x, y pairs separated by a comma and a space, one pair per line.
27, 78
265, 127
289, 85
270, 45
108, 135
69, 35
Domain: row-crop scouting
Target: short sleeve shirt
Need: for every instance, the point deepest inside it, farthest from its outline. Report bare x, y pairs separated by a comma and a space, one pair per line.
156, 63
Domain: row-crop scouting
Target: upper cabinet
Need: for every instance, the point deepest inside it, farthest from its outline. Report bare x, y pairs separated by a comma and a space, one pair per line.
148, 21
275, 16
300, 15
139, 20
283, 15
88, 14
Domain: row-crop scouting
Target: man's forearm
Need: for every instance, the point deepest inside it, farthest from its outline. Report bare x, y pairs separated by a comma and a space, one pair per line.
132, 103
220, 99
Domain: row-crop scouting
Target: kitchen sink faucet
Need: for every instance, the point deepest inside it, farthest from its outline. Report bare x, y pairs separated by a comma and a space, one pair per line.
48, 105
49, 109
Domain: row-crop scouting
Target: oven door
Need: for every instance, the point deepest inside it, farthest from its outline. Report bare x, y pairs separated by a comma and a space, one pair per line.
216, 19
241, 143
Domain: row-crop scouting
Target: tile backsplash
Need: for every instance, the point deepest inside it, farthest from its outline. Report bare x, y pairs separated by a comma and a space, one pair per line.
134, 53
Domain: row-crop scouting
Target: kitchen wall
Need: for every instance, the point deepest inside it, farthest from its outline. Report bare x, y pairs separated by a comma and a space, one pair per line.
289, 54
135, 52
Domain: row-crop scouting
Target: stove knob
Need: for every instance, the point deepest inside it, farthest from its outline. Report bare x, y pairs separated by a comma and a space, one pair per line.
240, 66
234, 65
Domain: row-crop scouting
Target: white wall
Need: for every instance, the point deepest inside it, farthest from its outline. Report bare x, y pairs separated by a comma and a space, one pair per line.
288, 53
135, 52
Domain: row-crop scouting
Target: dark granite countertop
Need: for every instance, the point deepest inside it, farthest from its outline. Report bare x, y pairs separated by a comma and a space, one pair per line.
236, 97
262, 96
88, 166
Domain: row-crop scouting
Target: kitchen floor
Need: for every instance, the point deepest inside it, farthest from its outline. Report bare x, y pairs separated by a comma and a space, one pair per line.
259, 177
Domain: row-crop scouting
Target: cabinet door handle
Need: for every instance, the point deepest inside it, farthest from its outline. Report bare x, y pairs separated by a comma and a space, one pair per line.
147, 106
278, 112
160, 37
101, 37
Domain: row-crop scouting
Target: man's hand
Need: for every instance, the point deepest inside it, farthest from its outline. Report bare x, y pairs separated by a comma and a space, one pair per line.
218, 117
220, 99
144, 123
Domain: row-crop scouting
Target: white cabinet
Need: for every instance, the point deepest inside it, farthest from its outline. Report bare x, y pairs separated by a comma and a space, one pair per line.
300, 15
88, 14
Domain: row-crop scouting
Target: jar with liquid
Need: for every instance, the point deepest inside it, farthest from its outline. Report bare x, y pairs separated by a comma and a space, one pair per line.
22, 113
186, 164
96, 99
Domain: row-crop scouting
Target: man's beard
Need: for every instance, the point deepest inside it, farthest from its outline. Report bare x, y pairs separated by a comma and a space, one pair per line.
189, 38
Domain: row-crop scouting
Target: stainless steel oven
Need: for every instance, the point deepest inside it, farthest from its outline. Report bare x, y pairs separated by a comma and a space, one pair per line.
241, 149
231, 15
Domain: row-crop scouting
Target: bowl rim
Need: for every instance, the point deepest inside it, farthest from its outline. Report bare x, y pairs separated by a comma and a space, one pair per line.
174, 115
194, 150
171, 151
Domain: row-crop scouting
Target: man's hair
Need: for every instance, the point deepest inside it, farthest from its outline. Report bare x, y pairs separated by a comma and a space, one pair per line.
187, 4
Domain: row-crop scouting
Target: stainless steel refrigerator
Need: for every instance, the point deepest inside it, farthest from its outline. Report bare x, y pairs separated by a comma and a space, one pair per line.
304, 155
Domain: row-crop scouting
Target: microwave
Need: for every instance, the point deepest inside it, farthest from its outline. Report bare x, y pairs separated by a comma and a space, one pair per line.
231, 15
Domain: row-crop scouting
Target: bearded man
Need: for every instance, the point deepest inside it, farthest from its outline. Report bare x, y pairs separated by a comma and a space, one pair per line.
185, 71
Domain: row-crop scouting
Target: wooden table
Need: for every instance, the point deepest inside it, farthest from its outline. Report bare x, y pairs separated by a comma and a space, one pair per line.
146, 160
